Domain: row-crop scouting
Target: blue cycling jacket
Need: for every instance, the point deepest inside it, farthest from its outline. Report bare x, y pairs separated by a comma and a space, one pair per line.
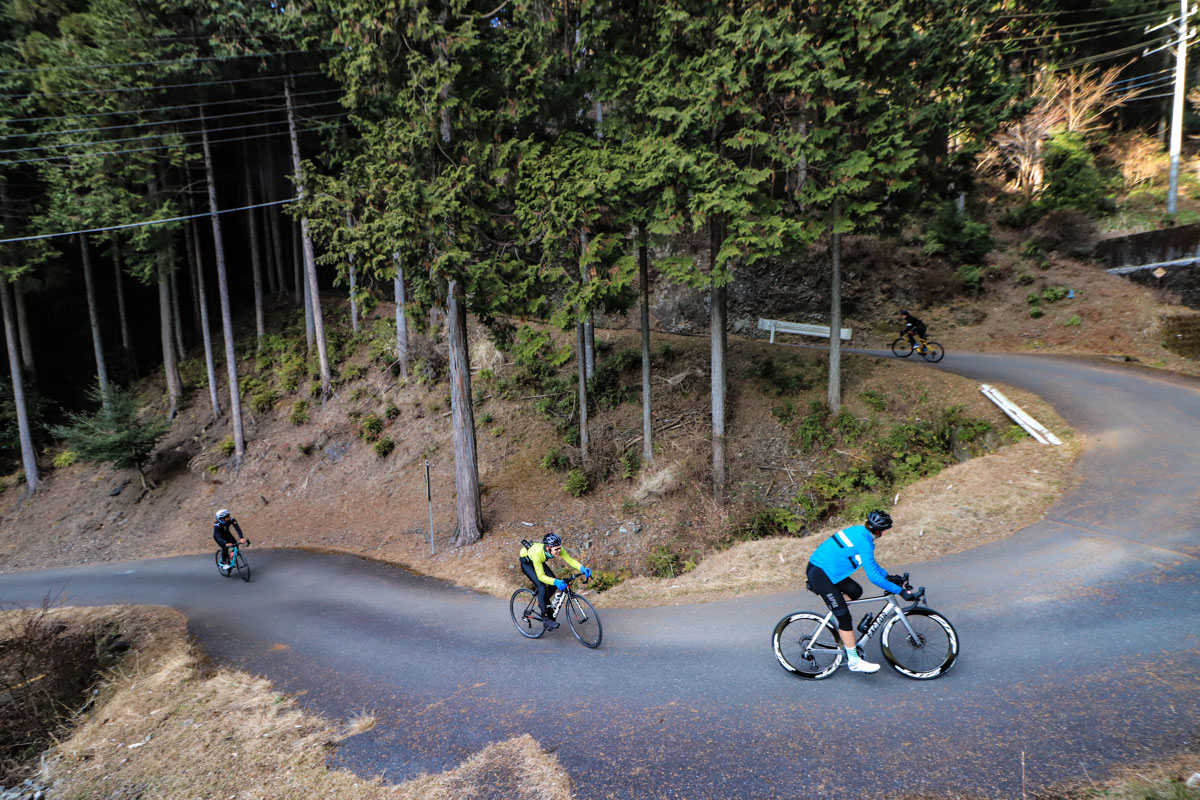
842, 554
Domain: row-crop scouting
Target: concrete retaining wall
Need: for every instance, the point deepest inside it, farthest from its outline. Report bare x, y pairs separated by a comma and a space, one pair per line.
1151, 247
1181, 334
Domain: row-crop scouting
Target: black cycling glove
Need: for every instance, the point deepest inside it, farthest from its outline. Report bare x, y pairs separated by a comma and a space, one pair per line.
896, 579
908, 594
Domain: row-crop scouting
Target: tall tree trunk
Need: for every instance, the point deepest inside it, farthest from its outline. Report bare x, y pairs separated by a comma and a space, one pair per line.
588, 351
644, 277
126, 336
310, 259
23, 333
398, 289
835, 320
273, 214
353, 284
94, 319
166, 332
581, 372
255, 261
176, 316
273, 287
718, 301
28, 454
466, 464
235, 400
298, 282
197, 266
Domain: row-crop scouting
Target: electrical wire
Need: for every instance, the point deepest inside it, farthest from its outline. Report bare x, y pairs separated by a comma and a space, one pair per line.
169, 108
69, 157
145, 223
119, 89
181, 61
149, 136
1117, 25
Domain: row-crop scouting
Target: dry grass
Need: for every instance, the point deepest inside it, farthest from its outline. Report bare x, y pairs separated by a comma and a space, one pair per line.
169, 725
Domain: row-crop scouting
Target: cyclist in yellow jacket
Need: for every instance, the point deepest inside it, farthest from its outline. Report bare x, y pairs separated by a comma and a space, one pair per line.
533, 564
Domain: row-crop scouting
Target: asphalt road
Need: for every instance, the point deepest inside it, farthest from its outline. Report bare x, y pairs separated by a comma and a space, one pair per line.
1080, 643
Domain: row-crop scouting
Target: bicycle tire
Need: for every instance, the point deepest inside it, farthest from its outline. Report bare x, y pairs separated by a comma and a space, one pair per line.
243, 569
928, 659
934, 352
224, 572
901, 348
790, 641
521, 608
584, 621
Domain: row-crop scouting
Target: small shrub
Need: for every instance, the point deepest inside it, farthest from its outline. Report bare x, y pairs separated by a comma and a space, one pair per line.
1053, 294
602, 580
1025, 278
305, 449
554, 461
971, 277
263, 400
485, 418
577, 483
384, 446
785, 412
213, 469
358, 394
1030, 249
1071, 177
299, 413
662, 563
812, 431
631, 464
1033, 298
65, 459
1036, 312
353, 372
314, 390
391, 411
874, 399
370, 427
956, 237
771, 522
497, 431
1074, 321
227, 447
850, 426
1013, 434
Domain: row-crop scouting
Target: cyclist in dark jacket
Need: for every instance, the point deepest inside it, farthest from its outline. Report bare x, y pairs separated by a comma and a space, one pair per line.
224, 538
829, 571
912, 326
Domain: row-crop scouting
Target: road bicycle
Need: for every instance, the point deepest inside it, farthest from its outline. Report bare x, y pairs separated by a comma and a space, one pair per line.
581, 615
931, 351
917, 641
238, 562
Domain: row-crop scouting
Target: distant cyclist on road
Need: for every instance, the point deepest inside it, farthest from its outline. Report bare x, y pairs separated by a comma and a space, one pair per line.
912, 326
224, 538
829, 571
533, 564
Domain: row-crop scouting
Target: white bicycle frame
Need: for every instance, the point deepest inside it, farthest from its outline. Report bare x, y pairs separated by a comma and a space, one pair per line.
890, 607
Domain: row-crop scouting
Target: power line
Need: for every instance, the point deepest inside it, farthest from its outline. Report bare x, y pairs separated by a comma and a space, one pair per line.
119, 89
151, 123
143, 224
70, 157
1116, 23
183, 60
149, 136
169, 108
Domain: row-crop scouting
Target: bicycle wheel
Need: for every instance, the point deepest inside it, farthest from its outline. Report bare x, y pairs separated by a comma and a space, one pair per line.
225, 572
584, 621
933, 352
806, 646
243, 569
901, 348
523, 608
929, 654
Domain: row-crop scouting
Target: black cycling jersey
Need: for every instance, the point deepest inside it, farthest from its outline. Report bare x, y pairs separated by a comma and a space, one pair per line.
913, 325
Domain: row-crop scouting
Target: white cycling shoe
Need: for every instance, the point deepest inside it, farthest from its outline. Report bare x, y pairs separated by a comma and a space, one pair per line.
861, 665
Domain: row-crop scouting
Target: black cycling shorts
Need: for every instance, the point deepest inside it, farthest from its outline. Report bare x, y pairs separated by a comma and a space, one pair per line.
820, 584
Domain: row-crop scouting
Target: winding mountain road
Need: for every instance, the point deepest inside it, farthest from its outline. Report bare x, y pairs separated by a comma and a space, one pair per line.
1080, 643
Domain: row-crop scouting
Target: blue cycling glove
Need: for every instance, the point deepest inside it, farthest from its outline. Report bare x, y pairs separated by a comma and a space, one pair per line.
560, 585
587, 572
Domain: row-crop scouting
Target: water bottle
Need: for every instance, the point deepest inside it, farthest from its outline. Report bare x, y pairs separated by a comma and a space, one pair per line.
866, 623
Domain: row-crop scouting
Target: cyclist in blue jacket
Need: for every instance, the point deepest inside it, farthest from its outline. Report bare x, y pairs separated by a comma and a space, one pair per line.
829, 571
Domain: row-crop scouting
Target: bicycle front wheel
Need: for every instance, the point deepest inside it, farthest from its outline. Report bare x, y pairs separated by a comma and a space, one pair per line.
224, 572
584, 621
243, 569
933, 352
806, 646
925, 653
522, 607
901, 348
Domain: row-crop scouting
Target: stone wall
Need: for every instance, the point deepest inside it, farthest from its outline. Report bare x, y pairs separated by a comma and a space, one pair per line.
1181, 334
1151, 247
1184, 281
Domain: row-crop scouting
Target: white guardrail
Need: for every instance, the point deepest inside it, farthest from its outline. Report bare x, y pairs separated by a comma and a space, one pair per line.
798, 328
1017, 415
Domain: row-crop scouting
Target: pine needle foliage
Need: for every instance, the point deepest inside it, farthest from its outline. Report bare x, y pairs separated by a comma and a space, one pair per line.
118, 433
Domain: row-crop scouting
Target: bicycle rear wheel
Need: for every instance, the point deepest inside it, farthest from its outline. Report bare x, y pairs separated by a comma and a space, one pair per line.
926, 656
901, 348
243, 569
806, 646
522, 607
933, 352
584, 621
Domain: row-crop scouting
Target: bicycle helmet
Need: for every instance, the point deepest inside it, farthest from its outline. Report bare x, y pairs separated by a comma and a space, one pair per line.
223, 515
879, 521
552, 540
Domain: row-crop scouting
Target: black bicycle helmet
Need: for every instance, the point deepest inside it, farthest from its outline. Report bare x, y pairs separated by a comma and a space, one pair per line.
552, 540
879, 520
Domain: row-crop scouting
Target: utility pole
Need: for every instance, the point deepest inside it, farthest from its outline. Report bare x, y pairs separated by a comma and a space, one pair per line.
1177, 109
